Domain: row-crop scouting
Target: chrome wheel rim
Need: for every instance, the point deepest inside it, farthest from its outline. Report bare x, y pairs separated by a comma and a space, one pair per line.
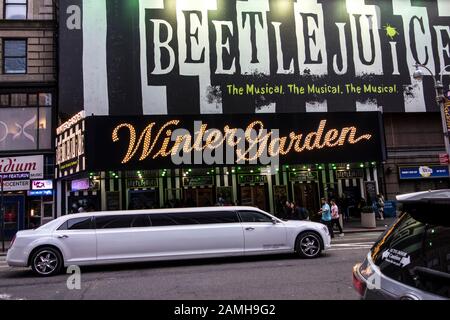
310, 245
45, 262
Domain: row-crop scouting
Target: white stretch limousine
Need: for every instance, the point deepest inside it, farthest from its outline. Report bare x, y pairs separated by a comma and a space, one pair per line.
167, 234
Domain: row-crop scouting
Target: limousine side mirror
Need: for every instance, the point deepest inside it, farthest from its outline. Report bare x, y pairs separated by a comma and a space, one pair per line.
274, 221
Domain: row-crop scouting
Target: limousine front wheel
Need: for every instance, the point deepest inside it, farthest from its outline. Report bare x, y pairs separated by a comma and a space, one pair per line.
46, 262
308, 245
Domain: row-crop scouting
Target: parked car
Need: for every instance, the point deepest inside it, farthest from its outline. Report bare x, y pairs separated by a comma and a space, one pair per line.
411, 260
167, 234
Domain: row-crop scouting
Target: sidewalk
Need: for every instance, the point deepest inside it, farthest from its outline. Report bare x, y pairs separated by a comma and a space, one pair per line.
354, 225
6, 248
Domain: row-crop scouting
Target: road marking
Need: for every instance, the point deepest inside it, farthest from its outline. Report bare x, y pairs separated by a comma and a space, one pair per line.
352, 244
349, 248
5, 296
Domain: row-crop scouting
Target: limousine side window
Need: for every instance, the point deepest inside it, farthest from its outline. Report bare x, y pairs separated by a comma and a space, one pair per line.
194, 218
254, 216
77, 224
125, 221
162, 220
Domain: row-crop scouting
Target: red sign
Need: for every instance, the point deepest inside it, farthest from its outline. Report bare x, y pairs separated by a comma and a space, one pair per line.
444, 158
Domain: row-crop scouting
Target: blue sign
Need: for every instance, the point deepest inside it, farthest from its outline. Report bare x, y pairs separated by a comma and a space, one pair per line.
390, 209
40, 193
423, 172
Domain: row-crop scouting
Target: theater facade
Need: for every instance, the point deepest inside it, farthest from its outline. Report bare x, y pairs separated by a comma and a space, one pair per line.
170, 103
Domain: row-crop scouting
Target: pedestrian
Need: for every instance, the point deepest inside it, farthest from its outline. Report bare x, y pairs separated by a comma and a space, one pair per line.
325, 212
380, 206
335, 217
287, 210
301, 212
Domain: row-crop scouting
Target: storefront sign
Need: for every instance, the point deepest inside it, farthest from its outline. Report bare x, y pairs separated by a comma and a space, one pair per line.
142, 183
33, 165
150, 142
42, 185
303, 176
70, 147
15, 176
40, 193
80, 185
423, 172
447, 113
16, 185
241, 56
198, 181
252, 179
350, 174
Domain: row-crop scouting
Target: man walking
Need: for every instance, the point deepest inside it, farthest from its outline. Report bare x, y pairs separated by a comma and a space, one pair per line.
325, 212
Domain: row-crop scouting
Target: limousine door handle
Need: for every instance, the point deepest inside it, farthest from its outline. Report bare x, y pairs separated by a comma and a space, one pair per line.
63, 237
250, 229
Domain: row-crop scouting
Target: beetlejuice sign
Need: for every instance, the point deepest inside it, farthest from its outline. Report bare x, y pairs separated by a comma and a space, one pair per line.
245, 56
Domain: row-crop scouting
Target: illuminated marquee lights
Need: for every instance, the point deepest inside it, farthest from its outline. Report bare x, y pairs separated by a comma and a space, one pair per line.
214, 139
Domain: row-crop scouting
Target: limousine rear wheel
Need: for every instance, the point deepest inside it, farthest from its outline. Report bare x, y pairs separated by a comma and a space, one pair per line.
308, 245
46, 262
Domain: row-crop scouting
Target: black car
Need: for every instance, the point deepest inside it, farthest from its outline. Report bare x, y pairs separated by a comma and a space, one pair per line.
411, 260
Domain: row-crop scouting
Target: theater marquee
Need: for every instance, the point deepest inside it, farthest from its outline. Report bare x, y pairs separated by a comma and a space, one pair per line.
152, 142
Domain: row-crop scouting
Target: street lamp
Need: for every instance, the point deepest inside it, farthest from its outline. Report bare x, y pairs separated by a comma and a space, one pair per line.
439, 87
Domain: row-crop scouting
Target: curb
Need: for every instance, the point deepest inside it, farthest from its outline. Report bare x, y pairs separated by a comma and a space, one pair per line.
365, 230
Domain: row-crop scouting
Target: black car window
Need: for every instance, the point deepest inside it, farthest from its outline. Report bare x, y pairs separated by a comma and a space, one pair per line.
435, 277
114, 222
408, 249
254, 216
77, 224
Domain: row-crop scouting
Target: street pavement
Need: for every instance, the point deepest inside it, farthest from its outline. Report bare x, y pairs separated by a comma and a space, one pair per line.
280, 277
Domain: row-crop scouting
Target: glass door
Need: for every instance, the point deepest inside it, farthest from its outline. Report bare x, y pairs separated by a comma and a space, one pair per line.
47, 212
14, 215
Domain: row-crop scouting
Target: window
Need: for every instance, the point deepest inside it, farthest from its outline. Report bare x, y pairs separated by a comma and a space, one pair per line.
192, 218
162, 220
140, 221
254, 216
417, 254
15, 56
26, 121
125, 221
16, 9
435, 277
77, 224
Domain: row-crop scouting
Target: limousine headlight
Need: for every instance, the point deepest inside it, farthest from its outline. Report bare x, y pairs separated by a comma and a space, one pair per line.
325, 228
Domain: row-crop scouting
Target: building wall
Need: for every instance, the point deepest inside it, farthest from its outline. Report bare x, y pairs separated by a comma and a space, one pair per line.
412, 140
39, 30
37, 10
29, 102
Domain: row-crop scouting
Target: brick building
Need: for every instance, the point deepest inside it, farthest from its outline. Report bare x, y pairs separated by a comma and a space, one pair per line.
27, 109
